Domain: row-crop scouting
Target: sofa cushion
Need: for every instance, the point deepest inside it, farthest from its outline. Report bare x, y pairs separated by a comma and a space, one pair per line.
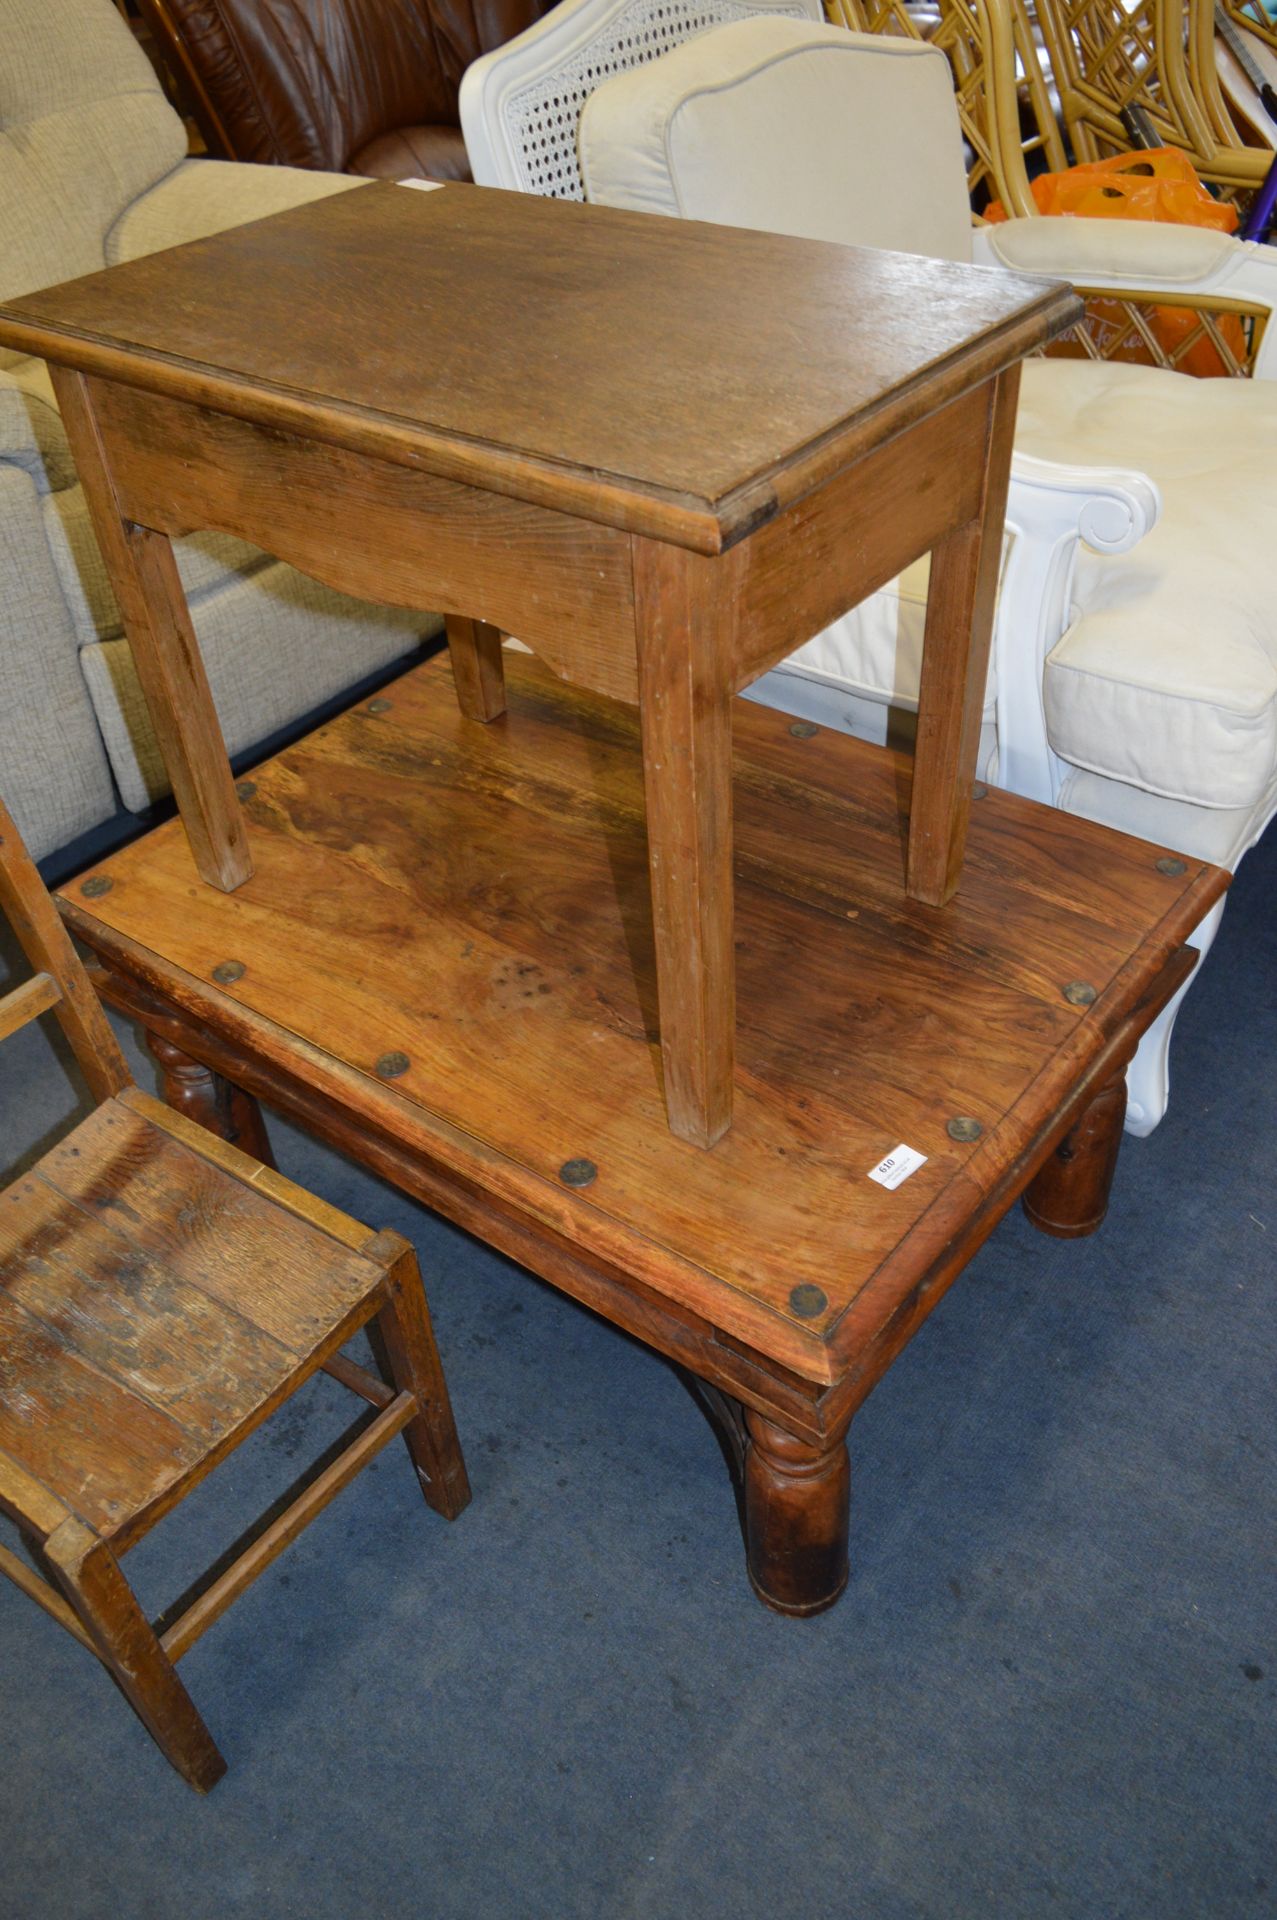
1167, 678
207, 196
84, 129
31, 431
275, 645
205, 561
53, 770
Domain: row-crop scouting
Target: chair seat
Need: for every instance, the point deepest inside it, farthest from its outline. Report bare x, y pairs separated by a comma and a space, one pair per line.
1181, 699
152, 1308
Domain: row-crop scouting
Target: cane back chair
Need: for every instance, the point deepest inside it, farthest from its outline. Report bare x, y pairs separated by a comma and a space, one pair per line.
161, 1294
520, 104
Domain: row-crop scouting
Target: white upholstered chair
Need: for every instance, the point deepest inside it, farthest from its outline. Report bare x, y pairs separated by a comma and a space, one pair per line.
1135, 664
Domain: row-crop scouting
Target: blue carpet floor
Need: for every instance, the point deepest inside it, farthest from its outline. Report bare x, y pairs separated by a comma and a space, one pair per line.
1048, 1691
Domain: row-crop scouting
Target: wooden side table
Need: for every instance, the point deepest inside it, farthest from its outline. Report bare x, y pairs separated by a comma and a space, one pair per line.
664, 454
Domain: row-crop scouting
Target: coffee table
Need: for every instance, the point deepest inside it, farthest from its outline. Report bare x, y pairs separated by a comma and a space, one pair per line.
664, 454
444, 964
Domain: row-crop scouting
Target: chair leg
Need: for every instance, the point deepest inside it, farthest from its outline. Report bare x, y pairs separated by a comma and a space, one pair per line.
404, 1323
90, 1576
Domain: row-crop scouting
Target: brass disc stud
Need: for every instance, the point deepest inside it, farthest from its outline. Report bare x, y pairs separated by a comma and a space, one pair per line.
578, 1173
1080, 993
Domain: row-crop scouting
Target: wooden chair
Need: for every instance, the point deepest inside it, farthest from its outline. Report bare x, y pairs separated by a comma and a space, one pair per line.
161, 1294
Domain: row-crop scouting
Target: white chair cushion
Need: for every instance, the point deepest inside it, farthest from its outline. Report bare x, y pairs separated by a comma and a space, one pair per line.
773, 123
1180, 701
1168, 677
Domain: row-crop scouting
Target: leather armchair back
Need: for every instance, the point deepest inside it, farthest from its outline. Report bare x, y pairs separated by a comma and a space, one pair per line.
353, 86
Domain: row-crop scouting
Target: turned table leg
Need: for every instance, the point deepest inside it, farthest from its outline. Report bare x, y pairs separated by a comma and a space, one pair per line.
212, 1102
797, 1515
1069, 1196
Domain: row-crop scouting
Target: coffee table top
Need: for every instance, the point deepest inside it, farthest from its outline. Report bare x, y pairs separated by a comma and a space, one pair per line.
448, 934
653, 374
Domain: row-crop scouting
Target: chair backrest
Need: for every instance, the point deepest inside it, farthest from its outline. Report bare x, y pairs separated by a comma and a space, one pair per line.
521, 104
793, 128
59, 984
84, 130
997, 75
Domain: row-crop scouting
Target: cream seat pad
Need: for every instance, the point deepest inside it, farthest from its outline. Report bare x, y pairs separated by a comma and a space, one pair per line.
1167, 678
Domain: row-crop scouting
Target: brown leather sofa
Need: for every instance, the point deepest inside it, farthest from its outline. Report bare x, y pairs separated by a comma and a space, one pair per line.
346, 86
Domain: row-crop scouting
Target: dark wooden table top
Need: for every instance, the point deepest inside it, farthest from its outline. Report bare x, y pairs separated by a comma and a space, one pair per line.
474, 899
649, 373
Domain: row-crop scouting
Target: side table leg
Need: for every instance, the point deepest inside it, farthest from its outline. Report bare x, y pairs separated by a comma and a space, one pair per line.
797, 1516
165, 652
212, 1102
685, 714
1069, 1195
478, 673
955, 666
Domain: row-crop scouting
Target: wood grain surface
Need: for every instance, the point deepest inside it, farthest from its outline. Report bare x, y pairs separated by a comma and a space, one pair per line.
640, 384
159, 1303
449, 933
165, 652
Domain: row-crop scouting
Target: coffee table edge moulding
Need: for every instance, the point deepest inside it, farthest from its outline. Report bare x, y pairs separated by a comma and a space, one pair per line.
28, 324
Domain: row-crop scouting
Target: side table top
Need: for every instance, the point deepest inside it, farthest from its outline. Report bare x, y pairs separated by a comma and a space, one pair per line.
448, 934
669, 377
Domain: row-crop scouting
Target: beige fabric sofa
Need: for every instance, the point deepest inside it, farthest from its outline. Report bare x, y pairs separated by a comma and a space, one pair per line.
93, 170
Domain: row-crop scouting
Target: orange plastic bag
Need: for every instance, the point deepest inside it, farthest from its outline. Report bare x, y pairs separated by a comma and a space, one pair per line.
1159, 184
